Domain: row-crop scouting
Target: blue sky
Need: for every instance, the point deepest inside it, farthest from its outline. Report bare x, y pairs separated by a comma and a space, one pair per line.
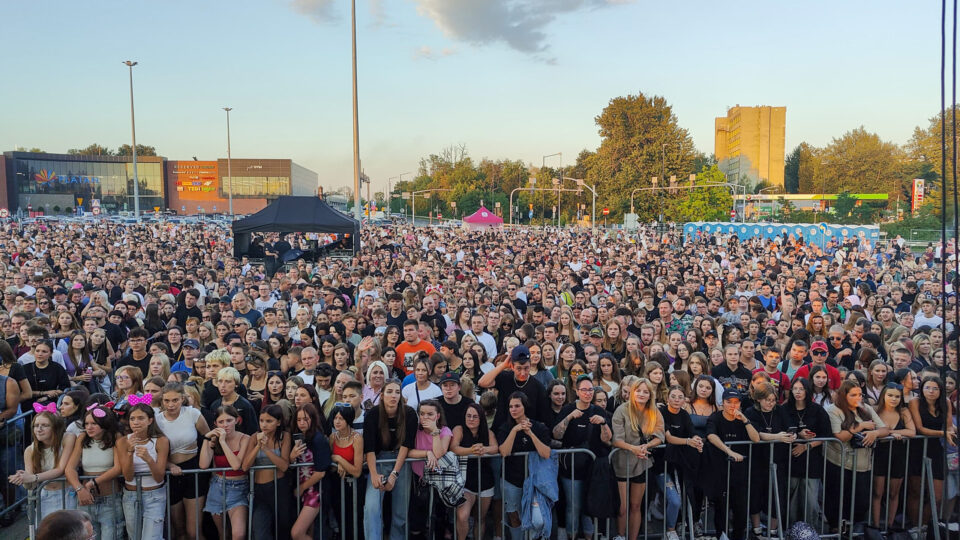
508, 78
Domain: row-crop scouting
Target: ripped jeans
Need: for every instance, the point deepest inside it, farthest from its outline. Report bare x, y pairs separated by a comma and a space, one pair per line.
147, 515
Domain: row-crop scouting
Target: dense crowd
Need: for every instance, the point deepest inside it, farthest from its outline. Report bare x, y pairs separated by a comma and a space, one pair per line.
619, 376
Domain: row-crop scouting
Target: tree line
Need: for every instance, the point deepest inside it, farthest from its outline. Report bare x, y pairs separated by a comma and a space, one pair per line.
641, 138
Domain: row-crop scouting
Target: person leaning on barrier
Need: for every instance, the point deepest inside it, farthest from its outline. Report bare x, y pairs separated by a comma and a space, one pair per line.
857, 427
727, 471
95, 454
637, 427
66, 525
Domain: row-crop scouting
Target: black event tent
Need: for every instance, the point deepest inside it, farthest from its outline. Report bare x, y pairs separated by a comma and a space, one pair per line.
289, 214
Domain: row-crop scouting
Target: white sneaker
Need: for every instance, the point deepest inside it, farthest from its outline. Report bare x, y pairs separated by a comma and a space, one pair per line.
723, 536
619, 538
672, 535
656, 509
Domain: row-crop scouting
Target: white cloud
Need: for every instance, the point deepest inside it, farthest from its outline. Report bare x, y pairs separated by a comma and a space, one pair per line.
521, 24
425, 52
318, 10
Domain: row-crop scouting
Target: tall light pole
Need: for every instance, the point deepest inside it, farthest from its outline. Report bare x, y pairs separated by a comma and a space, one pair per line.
543, 166
356, 119
133, 150
390, 190
229, 163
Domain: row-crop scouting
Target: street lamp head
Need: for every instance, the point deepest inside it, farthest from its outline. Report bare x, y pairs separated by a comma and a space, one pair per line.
228, 109
129, 63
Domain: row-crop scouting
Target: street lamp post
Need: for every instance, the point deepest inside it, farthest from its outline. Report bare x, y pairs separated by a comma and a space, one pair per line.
229, 164
543, 166
356, 118
581, 183
390, 190
133, 149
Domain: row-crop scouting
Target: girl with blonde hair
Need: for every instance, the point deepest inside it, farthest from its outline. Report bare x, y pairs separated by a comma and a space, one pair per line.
637, 428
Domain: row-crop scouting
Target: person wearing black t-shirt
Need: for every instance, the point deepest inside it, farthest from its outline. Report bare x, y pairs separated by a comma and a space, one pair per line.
514, 376
581, 425
453, 404
389, 432
137, 357
48, 380
808, 421
732, 375
518, 434
682, 456
771, 424
228, 381
729, 470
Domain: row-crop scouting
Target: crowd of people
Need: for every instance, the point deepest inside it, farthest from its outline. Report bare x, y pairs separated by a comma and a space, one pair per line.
542, 382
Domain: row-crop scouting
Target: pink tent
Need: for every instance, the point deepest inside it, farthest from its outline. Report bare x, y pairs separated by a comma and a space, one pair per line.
482, 219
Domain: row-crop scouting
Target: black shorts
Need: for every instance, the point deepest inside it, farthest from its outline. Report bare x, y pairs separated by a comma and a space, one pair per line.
187, 486
638, 479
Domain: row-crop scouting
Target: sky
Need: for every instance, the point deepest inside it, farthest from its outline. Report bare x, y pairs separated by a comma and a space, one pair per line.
509, 79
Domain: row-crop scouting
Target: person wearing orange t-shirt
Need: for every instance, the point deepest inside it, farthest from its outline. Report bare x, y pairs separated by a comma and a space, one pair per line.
411, 346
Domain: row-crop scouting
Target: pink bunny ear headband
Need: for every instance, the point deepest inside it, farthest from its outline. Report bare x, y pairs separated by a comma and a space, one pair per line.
145, 399
97, 411
49, 407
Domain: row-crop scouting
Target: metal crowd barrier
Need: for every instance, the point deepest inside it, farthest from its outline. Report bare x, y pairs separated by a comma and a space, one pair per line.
782, 506
13, 443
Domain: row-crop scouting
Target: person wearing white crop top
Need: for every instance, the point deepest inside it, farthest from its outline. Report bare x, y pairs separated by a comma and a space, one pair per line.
143, 458
44, 460
94, 456
182, 425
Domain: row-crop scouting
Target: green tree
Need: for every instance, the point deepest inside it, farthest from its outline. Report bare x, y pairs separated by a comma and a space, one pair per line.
640, 138
706, 202
92, 150
142, 150
843, 206
791, 169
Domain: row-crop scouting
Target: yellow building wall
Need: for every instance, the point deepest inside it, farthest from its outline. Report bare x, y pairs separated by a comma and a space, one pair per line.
749, 144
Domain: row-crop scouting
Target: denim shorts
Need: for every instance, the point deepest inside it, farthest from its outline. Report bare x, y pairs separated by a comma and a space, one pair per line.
237, 494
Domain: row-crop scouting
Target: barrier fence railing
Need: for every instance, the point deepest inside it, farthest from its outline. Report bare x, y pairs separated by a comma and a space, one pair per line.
13, 442
787, 494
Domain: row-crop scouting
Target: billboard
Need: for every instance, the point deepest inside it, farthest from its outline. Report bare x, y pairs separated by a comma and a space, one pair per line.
194, 180
916, 200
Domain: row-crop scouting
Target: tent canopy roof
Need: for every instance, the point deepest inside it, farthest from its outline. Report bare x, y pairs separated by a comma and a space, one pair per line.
297, 214
483, 216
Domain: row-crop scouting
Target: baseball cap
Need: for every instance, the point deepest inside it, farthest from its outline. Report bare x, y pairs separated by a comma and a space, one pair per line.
192, 343
818, 346
596, 331
226, 299
450, 377
732, 393
712, 333
520, 352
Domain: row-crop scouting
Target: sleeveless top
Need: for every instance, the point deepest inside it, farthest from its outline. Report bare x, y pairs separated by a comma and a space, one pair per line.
262, 458
346, 452
930, 421
699, 423
140, 467
182, 431
96, 460
220, 461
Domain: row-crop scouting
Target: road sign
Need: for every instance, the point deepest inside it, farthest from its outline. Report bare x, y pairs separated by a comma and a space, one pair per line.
439, 215
606, 211
530, 214
733, 215
96, 210
94, 202
80, 201
4, 213
156, 209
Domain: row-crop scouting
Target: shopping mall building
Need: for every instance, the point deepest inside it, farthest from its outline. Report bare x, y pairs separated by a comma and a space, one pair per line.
59, 183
